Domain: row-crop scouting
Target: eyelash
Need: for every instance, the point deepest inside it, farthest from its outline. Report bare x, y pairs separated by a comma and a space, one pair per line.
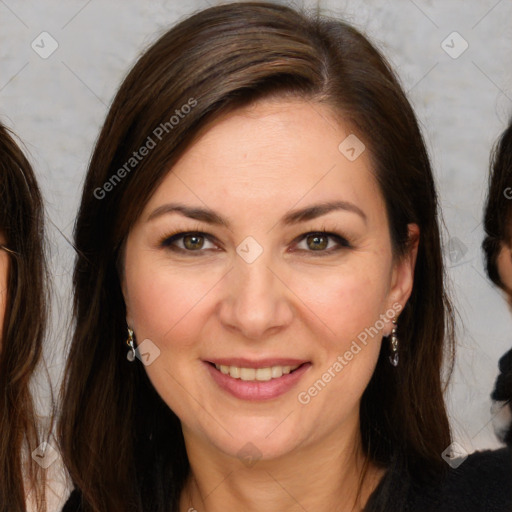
168, 240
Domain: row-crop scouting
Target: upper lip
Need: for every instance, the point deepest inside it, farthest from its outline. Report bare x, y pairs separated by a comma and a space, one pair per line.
242, 362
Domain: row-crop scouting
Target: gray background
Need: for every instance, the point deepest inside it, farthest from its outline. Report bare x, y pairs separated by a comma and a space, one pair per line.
57, 106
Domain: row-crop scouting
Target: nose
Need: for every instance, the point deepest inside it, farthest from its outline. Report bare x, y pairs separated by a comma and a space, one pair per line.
257, 300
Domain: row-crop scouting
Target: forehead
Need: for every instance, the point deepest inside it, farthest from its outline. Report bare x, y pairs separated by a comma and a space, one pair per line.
273, 152
269, 134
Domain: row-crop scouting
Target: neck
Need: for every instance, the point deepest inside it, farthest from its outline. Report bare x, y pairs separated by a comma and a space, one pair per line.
315, 477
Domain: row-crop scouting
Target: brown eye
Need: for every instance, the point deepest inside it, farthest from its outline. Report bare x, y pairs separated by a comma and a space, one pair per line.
320, 242
193, 241
187, 242
317, 242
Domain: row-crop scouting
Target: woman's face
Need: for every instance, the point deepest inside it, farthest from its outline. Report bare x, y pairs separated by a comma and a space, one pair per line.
4, 268
256, 288
504, 263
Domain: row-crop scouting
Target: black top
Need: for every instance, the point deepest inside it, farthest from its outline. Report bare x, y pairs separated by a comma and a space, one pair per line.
482, 483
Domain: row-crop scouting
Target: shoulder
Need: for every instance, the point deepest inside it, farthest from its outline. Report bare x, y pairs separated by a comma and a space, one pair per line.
481, 483
485, 473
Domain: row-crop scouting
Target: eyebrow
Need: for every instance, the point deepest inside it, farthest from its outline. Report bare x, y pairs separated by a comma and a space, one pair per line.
291, 218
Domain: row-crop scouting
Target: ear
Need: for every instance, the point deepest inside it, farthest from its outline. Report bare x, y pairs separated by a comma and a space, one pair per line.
402, 279
121, 274
128, 318
128, 311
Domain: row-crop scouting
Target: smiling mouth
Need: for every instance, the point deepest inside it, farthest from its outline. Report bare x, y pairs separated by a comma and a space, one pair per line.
256, 374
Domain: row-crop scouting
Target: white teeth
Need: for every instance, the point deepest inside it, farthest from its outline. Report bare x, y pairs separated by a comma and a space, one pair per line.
277, 372
260, 374
246, 373
264, 374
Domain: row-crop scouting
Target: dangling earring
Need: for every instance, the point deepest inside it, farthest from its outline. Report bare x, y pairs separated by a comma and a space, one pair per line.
393, 345
131, 353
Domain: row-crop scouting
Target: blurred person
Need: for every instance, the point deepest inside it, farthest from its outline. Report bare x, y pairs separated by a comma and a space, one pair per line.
22, 327
497, 246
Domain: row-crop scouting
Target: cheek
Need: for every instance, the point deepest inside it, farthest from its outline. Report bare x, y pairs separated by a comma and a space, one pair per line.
164, 301
347, 299
504, 263
352, 306
353, 302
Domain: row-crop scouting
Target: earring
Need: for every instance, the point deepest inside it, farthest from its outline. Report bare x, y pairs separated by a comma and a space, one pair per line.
393, 345
131, 353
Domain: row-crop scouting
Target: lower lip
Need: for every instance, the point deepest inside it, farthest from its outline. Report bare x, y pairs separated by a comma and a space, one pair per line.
257, 390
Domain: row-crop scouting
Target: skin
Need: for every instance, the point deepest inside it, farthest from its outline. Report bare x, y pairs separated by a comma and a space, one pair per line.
253, 166
4, 268
504, 264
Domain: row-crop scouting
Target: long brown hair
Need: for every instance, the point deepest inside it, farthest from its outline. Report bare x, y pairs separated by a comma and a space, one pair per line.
21, 222
122, 444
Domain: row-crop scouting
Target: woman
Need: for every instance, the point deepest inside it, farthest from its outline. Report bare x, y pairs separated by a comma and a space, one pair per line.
498, 252
256, 376
22, 323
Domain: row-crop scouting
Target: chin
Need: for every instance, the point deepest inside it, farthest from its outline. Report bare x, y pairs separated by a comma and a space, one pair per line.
259, 443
